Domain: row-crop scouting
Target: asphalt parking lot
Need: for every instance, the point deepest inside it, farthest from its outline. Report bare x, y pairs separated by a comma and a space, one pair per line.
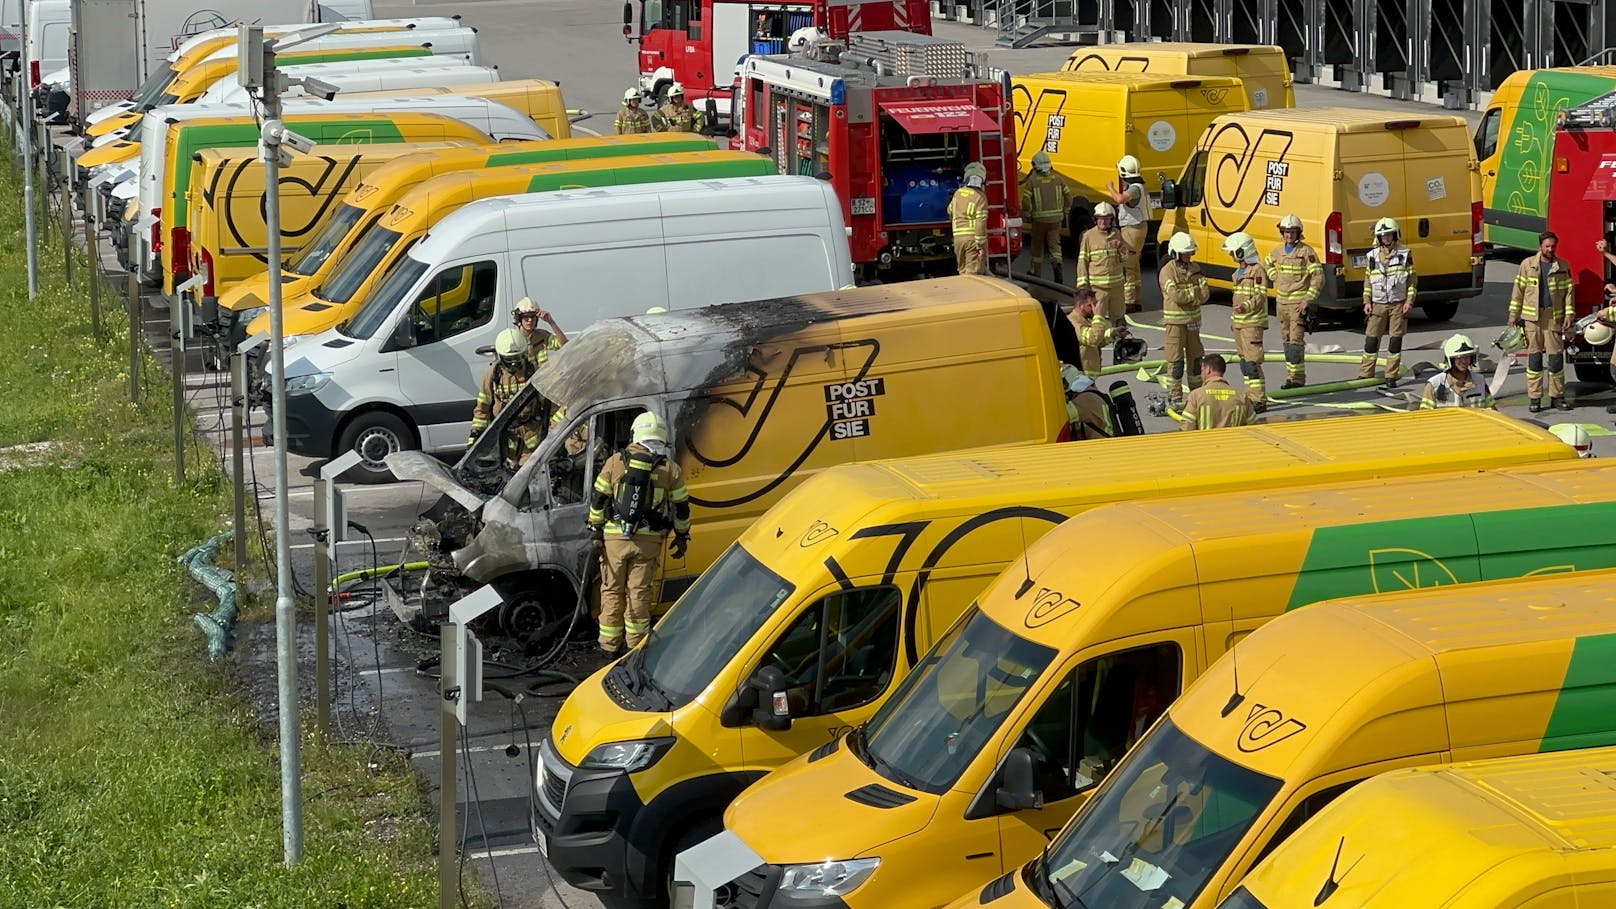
382, 697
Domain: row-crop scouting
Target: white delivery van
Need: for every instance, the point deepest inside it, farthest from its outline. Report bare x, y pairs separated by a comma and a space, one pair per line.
352, 76
48, 24
404, 373
498, 121
444, 36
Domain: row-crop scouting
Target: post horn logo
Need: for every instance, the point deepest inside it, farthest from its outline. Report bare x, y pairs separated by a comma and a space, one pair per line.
1266, 727
1048, 606
817, 533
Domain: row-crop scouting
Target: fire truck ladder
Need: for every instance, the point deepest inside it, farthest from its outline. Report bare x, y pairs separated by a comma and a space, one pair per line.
992, 152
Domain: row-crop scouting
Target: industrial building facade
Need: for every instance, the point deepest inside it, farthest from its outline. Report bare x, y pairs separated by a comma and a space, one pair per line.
1454, 52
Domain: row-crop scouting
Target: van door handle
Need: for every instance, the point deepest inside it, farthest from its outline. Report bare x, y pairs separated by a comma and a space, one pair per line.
388, 369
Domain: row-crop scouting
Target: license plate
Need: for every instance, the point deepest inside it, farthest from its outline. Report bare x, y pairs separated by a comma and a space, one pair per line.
1360, 261
864, 205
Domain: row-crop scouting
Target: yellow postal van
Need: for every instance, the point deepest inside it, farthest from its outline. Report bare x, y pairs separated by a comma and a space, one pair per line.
377, 193
1263, 68
1073, 651
893, 551
539, 99
229, 239
1087, 121
1532, 832
373, 256
1314, 704
1339, 170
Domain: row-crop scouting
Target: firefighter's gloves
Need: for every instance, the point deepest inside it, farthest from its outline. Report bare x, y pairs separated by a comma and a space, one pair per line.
597, 533
680, 542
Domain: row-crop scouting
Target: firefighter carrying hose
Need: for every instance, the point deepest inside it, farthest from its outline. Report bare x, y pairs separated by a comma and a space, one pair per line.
1388, 296
639, 496
1298, 277
1250, 314
1044, 200
505, 377
1541, 299
969, 212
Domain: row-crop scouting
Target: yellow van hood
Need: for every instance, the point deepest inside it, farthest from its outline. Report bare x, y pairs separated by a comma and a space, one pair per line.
114, 122
254, 292
110, 153
303, 313
590, 718
827, 811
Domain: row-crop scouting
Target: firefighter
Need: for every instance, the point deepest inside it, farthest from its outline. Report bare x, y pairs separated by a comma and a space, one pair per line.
1088, 409
1044, 200
1093, 331
1133, 219
505, 377
632, 118
1541, 299
639, 496
1294, 269
1459, 384
527, 315
1183, 289
1250, 313
1388, 295
1214, 404
969, 211
678, 117
1100, 261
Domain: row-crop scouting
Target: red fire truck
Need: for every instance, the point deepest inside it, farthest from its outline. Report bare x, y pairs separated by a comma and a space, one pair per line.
1582, 211
891, 120
700, 43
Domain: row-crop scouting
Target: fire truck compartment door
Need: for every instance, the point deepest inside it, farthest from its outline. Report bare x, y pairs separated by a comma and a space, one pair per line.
943, 116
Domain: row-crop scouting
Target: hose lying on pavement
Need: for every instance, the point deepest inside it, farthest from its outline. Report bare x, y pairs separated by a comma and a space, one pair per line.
219, 626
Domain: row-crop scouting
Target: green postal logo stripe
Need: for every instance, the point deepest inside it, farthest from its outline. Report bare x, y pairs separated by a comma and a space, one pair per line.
1416, 553
1585, 712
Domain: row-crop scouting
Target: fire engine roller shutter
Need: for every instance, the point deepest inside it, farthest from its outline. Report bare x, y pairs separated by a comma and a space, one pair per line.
940, 116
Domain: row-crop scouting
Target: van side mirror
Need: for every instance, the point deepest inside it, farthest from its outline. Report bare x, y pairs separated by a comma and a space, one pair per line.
1016, 791
628, 19
403, 336
1169, 195
762, 701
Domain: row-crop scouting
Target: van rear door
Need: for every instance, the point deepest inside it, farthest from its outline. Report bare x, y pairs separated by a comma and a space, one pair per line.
1437, 200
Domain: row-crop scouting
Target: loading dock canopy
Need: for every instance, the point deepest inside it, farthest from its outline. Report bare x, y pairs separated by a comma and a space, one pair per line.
941, 116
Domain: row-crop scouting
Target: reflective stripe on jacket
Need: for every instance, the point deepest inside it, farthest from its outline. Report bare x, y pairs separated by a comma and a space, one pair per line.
1183, 290
1099, 260
1044, 198
1389, 277
1523, 296
1297, 275
969, 211
1250, 297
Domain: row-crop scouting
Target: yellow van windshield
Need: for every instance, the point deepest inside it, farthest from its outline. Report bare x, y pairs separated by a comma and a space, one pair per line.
362, 258
1157, 830
709, 625
952, 704
309, 259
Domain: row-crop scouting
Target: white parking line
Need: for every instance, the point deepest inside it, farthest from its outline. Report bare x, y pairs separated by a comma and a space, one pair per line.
366, 542
474, 749
501, 853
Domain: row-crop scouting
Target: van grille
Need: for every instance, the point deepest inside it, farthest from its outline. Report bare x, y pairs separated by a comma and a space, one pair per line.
555, 788
554, 777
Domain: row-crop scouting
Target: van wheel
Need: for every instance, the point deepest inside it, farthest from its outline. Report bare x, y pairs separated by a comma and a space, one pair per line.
1596, 372
1078, 220
694, 835
1440, 312
375, 435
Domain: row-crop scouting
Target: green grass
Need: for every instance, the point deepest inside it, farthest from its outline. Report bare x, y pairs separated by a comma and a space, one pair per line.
130, 775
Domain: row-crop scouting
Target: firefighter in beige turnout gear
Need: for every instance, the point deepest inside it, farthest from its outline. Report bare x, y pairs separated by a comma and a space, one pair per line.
1298, 277
639, 496
1089, 411
501, 383
1100, 261
1133, 221
527, 315
1093, 330
1541, 298
1044, 200
1250, 313
1388, 296
1215, 405
631, 117
968, 211
1183, 289
677, 116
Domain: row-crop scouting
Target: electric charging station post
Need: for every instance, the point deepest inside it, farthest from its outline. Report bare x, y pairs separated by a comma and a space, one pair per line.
330, 528
255, 70
460, 674
26, 128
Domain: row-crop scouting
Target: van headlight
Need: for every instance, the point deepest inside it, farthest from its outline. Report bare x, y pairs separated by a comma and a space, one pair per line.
629, 757
246, 316
805, 882
307, 385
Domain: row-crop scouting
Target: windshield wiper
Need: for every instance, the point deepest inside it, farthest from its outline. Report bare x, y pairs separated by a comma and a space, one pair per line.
640, 681
877, 763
